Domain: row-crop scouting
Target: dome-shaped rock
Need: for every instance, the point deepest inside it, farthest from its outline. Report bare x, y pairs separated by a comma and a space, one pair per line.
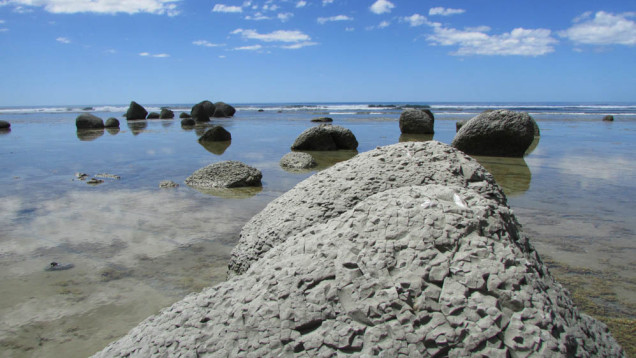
202, 111
223, 110
417, 121
297, 160
325, 137
112, 122
5, 125
185, 115
228, 174
136, 111
88, 121
500, 133
153, 115
216, 134
166, 114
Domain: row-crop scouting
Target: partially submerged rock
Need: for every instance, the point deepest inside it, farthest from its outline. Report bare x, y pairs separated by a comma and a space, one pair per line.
5, 125
459, 125
227, 174
298, 160
188, 122
202, 111
136, 111
608, 118
112, 122
88, 121
166, 113
223, 110
417, 121
322, 120
185, 115
497, 133
325, 137
153, 115
216, 134
432, 268
167, 184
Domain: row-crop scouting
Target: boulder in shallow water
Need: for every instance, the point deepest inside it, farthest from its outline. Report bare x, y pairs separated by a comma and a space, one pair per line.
325, 137
202, 111
136, 111
608, 118
188, 122
112, 122
459, 125
88, 121
417, 121
322, 120
153, 115
223, 110
185, 115
297, 160
166, 114
5, 125
228, 174
216, 134
500, 133
438, 267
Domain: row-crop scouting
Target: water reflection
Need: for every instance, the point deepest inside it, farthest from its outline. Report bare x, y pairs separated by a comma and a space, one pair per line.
217, 148
407, 137
166, 123
4, 131
113, 130
512, 174
231, 193
87, 135
137, 126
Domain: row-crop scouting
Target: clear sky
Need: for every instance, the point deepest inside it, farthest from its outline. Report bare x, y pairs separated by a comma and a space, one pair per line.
63, 52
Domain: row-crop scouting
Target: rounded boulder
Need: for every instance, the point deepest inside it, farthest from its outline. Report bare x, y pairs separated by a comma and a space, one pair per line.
417, 121
216, 134
166, 114
202, 111
136, 111
499, 133
297, 160
227, 174
112, 123
325, 137
5, 125
88, 121
223, 110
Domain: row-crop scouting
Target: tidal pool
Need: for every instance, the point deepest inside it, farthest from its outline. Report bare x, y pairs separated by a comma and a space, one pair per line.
137, 248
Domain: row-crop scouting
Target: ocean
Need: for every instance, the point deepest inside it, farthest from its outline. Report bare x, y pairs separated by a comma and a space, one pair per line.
135, 248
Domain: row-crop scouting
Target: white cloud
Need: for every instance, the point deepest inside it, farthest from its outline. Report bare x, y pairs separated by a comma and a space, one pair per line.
299, 45
227, 8
284, 16
603, 29
350, 29
249, 48
415, 20
205, 43
159, 55
4, 29
257, 17
381, 7
520, 42
323, 20
1, 21
384, 24
158, 7
276, 36
267, 7
63, 40
326, 2
441, 11
301, 3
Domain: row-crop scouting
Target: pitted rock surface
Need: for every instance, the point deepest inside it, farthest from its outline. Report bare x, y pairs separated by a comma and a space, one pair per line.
325, 137
227, 174
419, 271
327, 194
297, 160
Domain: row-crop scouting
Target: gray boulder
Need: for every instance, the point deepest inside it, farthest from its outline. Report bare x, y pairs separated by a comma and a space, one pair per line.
228, 174
325, 137
322, 120
298, 160
5, 125
136, 111
459, 125
420, 270
417, 121
608, 118
216, 134
153, 115
112, 123
184, 115
202, 111
188, 122
500, 133
166, 114
223, 110
88, 121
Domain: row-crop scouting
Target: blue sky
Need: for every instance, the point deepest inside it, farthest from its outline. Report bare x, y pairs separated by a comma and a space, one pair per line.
57, 52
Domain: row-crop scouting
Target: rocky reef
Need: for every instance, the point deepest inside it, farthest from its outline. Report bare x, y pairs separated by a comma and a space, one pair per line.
406, 250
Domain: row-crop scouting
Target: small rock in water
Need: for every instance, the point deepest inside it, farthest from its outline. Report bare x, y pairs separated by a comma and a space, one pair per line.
94, 181
81, 176
166, 184
54, 266
106, 175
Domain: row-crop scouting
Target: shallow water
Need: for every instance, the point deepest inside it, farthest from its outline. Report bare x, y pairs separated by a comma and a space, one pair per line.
137, 248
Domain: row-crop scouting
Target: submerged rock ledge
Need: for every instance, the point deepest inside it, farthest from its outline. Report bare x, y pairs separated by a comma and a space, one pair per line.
429, 266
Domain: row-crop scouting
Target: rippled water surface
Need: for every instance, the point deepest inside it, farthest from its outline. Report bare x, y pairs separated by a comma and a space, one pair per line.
136, 248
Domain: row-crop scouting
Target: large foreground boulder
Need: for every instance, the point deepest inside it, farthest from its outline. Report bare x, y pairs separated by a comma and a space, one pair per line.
325, 137
202, 111
228, 174
223, 110
136, 111
431, 269
417, 121
499, 133
216, 134
88, 121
